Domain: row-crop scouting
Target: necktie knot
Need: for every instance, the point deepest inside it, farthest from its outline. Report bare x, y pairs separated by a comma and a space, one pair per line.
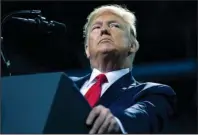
101, 78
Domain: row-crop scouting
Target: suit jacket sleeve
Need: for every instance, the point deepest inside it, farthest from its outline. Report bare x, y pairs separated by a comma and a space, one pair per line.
150, 112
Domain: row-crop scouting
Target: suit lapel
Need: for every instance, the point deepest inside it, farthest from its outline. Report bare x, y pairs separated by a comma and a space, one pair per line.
116, 89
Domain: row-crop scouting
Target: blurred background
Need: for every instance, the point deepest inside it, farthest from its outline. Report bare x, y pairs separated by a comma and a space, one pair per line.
167, 33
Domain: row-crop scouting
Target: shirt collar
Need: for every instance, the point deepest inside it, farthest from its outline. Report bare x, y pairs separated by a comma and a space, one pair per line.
111, 76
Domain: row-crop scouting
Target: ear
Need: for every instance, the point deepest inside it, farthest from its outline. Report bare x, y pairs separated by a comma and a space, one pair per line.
87, 51
134, 47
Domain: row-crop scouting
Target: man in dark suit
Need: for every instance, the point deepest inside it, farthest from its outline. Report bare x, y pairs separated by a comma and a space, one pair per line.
120, 103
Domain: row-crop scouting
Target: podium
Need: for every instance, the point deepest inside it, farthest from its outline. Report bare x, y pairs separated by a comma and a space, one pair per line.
47, 103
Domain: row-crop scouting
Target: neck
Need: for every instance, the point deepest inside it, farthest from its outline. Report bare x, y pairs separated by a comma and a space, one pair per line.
107, 65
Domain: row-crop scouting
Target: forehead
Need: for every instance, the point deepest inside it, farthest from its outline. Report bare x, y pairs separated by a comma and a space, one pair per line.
107, 16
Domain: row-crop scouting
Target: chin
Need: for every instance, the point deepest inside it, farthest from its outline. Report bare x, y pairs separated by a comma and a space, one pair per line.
107, 50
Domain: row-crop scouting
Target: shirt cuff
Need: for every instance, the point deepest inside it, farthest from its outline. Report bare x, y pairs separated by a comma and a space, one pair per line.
121, 126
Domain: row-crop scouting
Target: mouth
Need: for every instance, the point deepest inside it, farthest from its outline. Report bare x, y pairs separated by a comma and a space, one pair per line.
105, 40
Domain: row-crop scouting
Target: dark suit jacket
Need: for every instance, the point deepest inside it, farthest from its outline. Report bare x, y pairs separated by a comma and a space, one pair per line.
141, 107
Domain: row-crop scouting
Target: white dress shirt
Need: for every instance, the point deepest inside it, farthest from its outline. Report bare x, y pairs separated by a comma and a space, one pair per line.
111, 77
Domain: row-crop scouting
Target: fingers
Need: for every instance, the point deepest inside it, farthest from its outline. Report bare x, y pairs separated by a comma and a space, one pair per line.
113, 127
97, 118
105, 125
97, 124
102, 120
92, 115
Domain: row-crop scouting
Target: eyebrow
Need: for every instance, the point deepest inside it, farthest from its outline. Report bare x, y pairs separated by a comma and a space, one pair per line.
109, 22
113, 21
97, 22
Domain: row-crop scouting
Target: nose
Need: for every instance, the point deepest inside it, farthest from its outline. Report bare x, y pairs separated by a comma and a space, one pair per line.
105, 30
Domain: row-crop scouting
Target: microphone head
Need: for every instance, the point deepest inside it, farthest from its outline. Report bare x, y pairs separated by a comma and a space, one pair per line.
24, 20
27, 12
38, 25
57, 26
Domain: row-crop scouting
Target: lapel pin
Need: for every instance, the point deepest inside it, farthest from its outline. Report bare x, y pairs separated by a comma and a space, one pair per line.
133, 84
130, 87
124, 88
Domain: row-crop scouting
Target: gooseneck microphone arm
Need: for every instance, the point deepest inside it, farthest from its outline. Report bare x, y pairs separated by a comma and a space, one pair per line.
34, 20
18, 13
6, 18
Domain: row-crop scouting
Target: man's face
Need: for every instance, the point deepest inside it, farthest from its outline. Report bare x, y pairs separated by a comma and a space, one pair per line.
108, 35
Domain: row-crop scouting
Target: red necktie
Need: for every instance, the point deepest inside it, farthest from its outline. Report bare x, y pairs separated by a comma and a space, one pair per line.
94, 92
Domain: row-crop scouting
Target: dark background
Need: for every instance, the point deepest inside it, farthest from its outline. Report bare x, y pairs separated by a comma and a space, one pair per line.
167, 33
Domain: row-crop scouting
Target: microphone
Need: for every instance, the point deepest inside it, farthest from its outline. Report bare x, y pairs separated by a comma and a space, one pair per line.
19, 24
41, 24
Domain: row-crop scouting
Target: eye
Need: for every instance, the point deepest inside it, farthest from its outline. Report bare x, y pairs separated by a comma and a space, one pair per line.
117, 25
95, 27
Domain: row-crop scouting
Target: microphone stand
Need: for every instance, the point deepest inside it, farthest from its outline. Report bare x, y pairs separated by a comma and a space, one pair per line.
45, 26
6, 61
6, 18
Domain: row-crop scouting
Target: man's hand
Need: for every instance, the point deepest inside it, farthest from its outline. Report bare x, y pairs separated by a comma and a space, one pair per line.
102, 121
